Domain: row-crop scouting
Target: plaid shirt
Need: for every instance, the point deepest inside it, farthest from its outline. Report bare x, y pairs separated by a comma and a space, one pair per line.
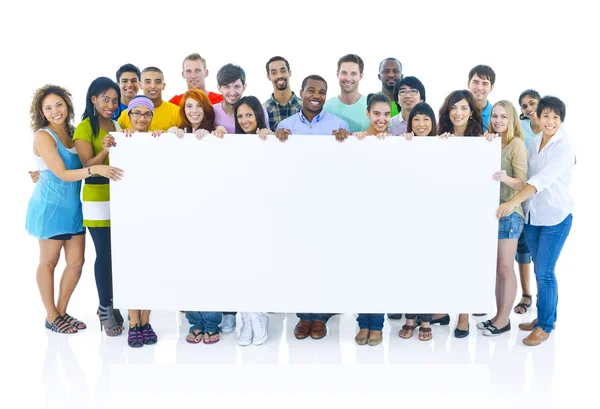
278, 112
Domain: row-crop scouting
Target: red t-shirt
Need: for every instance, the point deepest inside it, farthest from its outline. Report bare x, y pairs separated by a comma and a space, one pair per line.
214, 98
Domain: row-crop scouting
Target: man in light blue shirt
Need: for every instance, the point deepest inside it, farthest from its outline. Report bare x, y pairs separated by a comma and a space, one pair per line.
481, 83
350, 105
312, 119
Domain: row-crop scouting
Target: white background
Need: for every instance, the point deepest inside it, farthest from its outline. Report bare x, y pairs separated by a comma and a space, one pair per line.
550, 46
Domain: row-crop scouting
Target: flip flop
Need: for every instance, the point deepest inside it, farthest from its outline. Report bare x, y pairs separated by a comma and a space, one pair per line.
210, 334
195, 340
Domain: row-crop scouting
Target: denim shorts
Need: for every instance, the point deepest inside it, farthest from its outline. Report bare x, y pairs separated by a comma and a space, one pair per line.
510, 227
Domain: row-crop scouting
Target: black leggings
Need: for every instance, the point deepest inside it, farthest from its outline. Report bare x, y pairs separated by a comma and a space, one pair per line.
103, 264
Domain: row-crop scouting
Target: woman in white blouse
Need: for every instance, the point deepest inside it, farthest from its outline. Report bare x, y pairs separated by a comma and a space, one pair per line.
548, 220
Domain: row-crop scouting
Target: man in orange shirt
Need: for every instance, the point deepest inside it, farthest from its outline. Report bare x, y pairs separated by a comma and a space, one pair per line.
194, 72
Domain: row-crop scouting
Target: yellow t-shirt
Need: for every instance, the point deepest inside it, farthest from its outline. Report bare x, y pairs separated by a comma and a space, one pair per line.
165, 116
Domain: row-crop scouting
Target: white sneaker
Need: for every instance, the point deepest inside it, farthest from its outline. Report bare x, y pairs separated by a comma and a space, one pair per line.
228, 323
245, 336
260, 326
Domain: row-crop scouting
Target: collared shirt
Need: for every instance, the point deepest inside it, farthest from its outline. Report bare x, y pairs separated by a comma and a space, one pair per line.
398, 125
122, 107
278, 112
322, 124
550, 172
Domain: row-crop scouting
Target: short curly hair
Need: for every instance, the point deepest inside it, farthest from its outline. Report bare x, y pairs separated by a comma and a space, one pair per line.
38, 120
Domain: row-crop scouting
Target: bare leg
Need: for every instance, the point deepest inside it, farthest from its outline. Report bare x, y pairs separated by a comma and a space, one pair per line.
49, 255
463, 322
145, 317
74, 250
508, 281
135, 318
524, 270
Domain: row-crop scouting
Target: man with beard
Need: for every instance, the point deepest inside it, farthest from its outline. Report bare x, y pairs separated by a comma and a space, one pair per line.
283, 102
481, 83
350, 105
231, 82
390, 72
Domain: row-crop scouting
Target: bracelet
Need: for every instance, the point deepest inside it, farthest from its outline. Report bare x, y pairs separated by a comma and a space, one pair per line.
90, 172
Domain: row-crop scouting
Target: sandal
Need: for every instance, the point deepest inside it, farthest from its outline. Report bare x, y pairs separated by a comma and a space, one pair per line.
74, 322
425, 334
61, 326
108, 322
211, 334
407, 330
193, 339
523, 305
148, 334
134, 337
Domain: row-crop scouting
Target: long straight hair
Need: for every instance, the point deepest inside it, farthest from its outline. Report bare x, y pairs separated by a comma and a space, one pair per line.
256, 106
98, 87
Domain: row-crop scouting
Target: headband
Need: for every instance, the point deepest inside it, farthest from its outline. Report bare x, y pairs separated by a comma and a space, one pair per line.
144, 101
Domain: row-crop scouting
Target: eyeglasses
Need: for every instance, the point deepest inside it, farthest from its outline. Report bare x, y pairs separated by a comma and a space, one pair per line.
411, 92
137, 114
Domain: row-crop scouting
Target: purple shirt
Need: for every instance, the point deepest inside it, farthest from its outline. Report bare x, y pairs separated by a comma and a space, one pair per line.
397, 125
222, 119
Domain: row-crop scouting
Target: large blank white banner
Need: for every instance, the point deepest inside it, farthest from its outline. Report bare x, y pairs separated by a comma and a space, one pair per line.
310, 225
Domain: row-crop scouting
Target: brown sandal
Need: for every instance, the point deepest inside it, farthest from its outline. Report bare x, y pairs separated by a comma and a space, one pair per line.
425, 334
408, 331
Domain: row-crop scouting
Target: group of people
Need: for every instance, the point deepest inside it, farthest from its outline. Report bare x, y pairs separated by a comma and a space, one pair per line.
534, 214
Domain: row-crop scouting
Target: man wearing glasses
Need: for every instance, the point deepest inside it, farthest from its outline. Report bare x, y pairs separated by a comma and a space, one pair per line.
408, 92
166, 115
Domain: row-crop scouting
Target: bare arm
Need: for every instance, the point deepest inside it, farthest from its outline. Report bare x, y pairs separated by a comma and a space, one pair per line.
86, 153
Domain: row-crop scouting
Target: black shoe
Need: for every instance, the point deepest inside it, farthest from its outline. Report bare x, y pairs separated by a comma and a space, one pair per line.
480, 314
492, 331
445, 320
484, 324
395, 316
459, 333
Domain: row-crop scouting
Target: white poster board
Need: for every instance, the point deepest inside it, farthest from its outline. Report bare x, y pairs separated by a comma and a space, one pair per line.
309, 225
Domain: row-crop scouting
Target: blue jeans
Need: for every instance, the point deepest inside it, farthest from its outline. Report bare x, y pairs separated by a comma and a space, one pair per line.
204, 321
370, 321
545, 244
523, 255
312, 317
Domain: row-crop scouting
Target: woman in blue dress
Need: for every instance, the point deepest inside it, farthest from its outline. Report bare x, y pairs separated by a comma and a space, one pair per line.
54, 214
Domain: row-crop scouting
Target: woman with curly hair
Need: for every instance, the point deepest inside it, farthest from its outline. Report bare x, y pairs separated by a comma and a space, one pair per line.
54, 213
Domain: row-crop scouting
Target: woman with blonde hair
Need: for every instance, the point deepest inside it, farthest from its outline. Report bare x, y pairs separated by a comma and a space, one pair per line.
504, 122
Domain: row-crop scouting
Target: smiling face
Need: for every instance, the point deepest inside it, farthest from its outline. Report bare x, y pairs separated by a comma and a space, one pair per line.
140, 118
129, 84
389, 74
529, 107
232, 92
106, 103
480, 88
379, 116
279, 75
460, 113
246, 118
194, 74
55, 110
499, 119
349, 77
153, 85
421, 125
550, 122
408, 97
313, 95
194, 112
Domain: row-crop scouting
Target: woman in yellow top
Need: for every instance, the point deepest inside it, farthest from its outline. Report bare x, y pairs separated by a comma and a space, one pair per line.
93, 142
504, 122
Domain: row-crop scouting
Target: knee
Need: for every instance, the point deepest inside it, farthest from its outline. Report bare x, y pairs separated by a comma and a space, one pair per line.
76, 263
505, 271
48, 264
